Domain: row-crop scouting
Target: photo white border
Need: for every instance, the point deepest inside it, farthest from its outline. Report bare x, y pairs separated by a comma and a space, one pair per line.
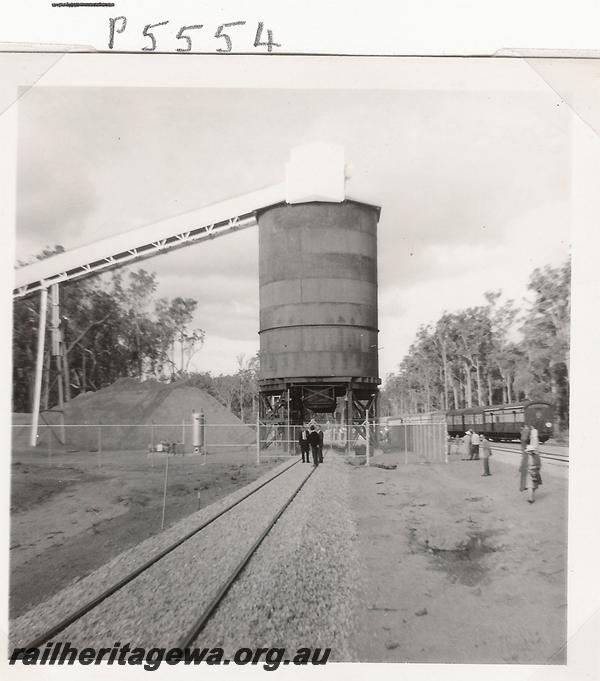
52, 70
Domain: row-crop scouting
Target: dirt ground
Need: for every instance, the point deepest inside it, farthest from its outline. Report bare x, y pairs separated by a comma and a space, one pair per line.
459, 568
73, 511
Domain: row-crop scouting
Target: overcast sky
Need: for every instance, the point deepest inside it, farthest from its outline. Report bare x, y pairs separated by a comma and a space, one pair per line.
474, 187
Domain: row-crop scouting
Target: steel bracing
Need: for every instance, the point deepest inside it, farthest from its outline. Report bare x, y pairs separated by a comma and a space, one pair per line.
141, 252
145, 242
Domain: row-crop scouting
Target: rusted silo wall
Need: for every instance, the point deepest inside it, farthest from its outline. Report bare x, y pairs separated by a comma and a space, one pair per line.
318, 291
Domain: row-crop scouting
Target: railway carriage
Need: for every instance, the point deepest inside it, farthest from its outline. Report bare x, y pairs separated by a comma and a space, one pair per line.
504, 421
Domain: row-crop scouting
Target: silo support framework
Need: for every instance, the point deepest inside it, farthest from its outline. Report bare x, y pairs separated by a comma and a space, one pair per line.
361, 411
282, 410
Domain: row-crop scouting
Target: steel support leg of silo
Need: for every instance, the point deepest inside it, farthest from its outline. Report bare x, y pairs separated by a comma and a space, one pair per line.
349, 420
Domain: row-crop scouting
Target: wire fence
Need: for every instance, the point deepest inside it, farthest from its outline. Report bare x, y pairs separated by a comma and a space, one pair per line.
97, 485
116, 482
417, 442
414, 439
425, 440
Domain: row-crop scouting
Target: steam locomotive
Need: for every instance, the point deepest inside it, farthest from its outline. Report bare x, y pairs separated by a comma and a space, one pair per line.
503, 422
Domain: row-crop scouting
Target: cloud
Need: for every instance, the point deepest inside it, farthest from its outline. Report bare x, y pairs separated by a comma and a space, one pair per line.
218, 355
466, 181
235, 253
53, 205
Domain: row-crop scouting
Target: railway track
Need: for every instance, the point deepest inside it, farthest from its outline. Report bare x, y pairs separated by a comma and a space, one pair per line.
191, 635
169, 598
544, 454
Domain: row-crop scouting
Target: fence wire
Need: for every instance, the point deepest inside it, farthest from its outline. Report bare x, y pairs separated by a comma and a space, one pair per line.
416, 439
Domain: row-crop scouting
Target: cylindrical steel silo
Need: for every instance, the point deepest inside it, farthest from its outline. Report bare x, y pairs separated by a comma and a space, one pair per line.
318, 293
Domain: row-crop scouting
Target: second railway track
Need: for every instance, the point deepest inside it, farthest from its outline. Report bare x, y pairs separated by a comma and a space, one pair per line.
544, 454
167, 599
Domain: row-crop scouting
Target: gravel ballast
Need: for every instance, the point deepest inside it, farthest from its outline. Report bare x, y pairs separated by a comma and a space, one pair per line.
160, 606
34, 622
299, 590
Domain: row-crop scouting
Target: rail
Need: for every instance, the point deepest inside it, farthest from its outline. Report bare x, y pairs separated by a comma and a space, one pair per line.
562, 458
200, 623
87, 607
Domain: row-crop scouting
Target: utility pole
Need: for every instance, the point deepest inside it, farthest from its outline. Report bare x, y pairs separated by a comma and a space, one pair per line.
57, 350
35, 411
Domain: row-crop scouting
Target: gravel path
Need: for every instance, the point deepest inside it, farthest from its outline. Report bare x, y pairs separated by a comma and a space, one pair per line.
459, 568
34, 622
299, 590
161, 605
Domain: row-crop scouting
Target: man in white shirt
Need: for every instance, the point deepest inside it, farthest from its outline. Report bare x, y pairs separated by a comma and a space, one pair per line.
475, 446
534, 438
467, 443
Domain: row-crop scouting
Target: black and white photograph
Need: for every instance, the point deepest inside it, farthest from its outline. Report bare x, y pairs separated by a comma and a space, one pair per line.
274, 325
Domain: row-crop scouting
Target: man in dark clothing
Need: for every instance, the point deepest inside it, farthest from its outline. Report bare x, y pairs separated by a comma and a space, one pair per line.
304, 445
315, 442
321, 440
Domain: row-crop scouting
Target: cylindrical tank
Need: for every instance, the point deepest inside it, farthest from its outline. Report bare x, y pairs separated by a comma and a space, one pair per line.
318, 291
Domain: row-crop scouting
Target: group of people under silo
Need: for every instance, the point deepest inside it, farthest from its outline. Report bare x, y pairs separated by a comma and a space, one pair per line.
310, 440
479, 447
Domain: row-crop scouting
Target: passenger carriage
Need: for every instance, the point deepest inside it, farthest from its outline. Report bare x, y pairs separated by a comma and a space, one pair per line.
503, 422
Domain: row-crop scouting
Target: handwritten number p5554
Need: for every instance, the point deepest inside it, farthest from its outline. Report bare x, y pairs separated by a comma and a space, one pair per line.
119, 25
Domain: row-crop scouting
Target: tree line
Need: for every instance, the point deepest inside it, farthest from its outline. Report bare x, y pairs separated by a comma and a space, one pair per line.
495, 353
113, 326
237, 392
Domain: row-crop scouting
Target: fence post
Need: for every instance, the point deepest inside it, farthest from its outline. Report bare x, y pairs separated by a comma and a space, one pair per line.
257, 439
152, 435
49, 446
246, 466
99, 446
183, 434
203, 434
405, 446
444, 436
288, 436
196, 433
416, 444
368, 439
162, 522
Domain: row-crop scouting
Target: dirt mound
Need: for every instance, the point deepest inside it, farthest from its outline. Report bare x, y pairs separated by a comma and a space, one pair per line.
135, 414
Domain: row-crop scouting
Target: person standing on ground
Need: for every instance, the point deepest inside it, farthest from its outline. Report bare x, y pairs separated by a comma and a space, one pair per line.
467, 443
314, 441
486, 451
525, 435
534, 479
321, 440
304, 444
475, 446
534, 464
